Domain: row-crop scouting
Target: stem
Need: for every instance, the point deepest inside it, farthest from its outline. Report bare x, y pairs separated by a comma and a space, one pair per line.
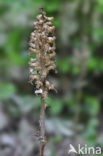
42, 127
42, 113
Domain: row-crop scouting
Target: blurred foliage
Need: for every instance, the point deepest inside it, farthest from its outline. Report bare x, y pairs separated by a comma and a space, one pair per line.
91, 133
79, 61
55, 105
7, 90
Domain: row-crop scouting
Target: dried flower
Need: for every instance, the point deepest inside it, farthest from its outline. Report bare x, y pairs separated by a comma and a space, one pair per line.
42, 43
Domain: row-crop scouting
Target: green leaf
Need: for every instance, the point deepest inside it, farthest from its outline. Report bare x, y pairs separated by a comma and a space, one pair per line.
6, 90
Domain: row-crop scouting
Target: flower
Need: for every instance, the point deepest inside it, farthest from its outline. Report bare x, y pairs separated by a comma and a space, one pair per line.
42, 44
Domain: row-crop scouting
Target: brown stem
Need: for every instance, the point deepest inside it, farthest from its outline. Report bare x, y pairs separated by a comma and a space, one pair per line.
42, 149
42, 127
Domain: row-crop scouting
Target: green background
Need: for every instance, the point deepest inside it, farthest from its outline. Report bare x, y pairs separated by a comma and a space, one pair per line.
75, 112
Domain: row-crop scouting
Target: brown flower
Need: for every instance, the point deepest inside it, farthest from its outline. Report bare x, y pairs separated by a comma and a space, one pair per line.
42, 44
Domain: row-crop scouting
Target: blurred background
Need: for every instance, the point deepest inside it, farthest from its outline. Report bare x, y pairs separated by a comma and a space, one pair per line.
75, 113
